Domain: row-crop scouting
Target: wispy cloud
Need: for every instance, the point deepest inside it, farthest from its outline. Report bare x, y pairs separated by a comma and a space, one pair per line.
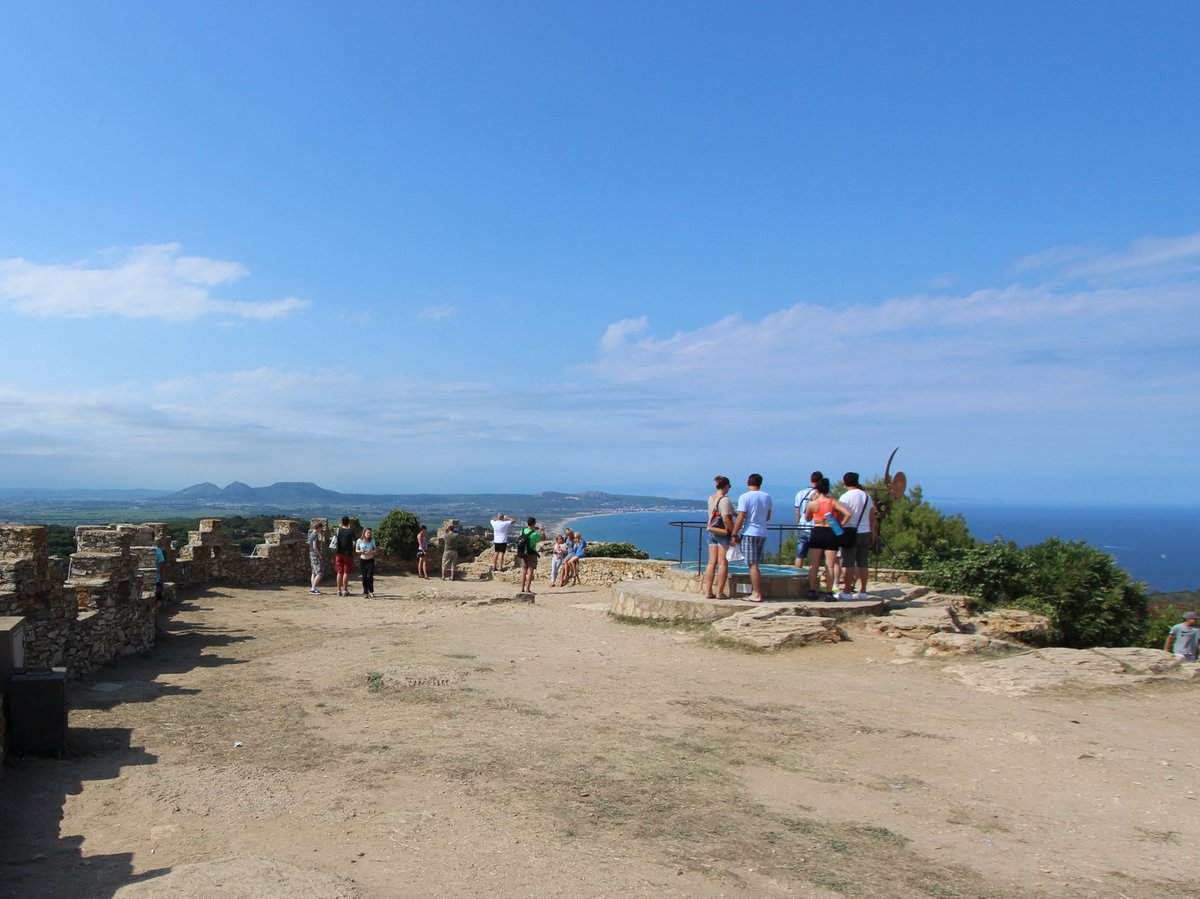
155, 281
434, 313
1150, 258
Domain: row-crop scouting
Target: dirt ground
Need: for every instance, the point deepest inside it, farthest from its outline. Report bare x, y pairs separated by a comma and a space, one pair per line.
426, 744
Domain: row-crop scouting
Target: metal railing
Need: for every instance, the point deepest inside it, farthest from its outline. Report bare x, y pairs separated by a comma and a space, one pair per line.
701, 528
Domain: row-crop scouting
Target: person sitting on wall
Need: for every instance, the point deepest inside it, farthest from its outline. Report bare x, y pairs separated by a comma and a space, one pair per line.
570, 569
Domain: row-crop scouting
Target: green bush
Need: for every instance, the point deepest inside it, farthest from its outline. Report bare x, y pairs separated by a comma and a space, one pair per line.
397, 534
916, 534
1088, 599
996, 573
615, 551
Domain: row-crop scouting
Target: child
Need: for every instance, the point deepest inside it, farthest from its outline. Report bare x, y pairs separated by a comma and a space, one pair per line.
560, 553
1187, 638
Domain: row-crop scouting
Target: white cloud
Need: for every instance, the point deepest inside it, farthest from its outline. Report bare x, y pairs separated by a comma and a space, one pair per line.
434, 313
1149, 258
144, 282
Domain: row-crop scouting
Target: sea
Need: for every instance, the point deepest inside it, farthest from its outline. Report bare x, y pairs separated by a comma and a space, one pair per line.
1160, 551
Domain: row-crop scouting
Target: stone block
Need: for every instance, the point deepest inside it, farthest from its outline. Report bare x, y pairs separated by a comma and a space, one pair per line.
773, 626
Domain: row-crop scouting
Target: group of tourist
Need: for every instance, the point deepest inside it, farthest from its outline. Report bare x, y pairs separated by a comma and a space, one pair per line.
834, 536
345, 545
569, 548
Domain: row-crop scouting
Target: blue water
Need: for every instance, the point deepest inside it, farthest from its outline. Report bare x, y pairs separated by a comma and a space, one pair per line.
1158, 548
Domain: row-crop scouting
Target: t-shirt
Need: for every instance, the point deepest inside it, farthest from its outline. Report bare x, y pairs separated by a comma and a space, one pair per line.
500, 528
345, 542
450, 544
580, 549
314, 542
802, 499
535, 538
366, 548
1187, 641
724, 505
757, 506
859, 502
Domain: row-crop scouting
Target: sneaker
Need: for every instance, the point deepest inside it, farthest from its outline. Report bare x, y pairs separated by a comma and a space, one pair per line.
843, 596
861, 597
315, 592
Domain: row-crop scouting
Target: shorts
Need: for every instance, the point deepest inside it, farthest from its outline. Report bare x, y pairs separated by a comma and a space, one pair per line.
420, 553
530, 560
501, 548
824, 538
343, 564
718, 540
752, 548
449, 559
858, 555
314, 560
803, 539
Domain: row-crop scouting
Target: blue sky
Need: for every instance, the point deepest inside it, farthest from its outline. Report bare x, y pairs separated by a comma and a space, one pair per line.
400, 247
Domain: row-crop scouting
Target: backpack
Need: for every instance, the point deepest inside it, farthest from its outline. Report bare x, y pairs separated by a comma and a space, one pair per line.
524, 550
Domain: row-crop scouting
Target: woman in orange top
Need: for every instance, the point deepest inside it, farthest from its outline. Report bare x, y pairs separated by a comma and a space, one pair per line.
824, 545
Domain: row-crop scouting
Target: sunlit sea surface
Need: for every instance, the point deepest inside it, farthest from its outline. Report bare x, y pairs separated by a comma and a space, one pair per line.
1160, 550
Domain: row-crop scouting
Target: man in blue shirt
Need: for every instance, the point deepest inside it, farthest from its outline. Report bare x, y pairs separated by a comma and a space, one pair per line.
750, 529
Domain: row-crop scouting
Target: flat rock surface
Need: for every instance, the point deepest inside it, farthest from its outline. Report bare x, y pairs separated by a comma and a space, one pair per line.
421, 745
770, 627
1046, 669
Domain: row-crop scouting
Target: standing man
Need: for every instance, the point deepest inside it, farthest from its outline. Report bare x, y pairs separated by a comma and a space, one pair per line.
316, 547
856, 551
343, 556
804, 527
531, 536
750, 529
1187, 639
450, 553
500, 525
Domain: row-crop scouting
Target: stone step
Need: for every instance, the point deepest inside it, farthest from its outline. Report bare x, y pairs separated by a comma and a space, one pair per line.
659, 601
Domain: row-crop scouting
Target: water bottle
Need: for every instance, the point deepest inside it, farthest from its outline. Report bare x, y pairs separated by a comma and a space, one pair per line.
834, 523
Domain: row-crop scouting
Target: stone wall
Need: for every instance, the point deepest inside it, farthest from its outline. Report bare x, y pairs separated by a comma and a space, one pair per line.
593, 572
103, 606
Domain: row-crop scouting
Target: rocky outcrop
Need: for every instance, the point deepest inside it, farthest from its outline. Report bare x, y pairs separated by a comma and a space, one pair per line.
773, 626
1054, 668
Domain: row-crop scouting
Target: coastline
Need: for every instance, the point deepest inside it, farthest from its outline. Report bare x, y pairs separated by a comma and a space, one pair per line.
557, 526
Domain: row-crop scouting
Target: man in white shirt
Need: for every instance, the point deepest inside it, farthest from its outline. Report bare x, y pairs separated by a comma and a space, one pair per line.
750, 529
500, 525
856, 556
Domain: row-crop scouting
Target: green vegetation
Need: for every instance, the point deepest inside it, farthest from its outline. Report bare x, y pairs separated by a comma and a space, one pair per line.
616, 551
62, 540
1088, 599
397, 534
914, 534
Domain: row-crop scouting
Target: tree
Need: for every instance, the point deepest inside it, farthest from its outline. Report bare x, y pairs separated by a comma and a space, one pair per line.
397, 534
916, 534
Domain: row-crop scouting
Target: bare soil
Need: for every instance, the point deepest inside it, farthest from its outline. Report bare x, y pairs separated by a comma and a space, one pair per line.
425, 744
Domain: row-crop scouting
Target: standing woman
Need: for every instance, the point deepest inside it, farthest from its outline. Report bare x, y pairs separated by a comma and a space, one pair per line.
720, 526
316, 546
422, 552
824, 546
365, 547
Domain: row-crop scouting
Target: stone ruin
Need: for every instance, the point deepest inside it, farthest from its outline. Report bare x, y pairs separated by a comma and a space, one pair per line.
102, 606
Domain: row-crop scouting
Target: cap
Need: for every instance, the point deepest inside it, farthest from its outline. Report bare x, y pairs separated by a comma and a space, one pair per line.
1189, 615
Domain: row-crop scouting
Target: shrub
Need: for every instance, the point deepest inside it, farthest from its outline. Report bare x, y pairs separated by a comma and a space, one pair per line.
916, 534
1088, 599
995, 572
615, 551
397, 534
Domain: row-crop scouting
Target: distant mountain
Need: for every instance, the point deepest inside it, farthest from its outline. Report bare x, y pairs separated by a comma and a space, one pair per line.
295, 496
